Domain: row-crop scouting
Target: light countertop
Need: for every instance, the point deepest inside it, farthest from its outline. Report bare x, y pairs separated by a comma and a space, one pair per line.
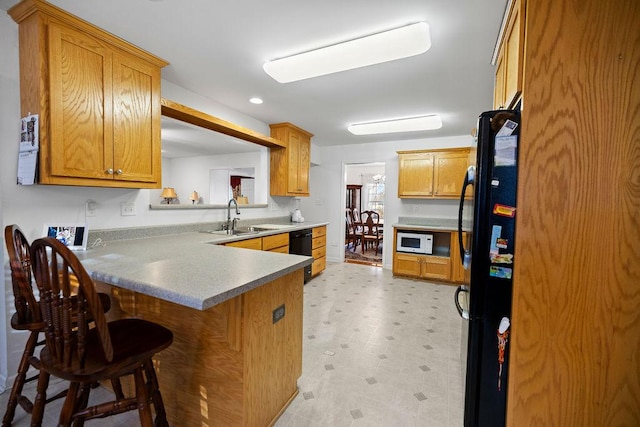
192, 269
429, 224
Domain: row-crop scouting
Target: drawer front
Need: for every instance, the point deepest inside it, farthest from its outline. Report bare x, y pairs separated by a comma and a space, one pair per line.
319, 231
275, 241
318, 266
247, 244
319, 242
281, 249
319, 252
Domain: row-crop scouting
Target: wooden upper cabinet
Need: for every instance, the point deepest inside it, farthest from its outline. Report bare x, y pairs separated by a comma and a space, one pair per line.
432, 173
290, 165
449, 169
415, 174
509, 61
98, 100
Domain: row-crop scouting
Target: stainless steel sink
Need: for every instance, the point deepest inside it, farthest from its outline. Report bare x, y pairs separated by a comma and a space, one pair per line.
236, 232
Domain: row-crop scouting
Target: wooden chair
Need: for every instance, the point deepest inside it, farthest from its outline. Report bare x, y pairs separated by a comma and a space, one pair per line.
82, 354
371, 230
356, 217
26, 318
351, 235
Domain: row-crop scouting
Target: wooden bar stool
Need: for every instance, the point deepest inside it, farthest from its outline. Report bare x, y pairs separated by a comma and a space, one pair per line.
26, 318
83, 348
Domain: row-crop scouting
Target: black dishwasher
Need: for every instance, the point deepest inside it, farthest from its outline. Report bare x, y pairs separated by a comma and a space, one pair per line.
300, 243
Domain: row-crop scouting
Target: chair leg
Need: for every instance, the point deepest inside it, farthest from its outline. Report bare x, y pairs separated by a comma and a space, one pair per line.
18, 384
142, 397
117, 388
40, 399
156, 396
70, 403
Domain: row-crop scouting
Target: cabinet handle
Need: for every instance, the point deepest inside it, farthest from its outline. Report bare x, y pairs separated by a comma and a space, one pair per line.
109, 171
119, 172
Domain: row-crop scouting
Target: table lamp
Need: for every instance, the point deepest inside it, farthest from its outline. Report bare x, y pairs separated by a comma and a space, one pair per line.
195, 197
168, 193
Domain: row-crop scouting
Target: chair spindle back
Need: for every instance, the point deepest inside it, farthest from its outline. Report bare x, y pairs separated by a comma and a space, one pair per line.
67, 315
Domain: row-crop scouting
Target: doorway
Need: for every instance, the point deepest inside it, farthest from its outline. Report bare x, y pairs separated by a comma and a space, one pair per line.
365, 190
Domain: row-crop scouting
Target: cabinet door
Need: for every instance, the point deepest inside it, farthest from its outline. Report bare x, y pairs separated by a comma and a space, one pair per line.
458, 272
255, 244
415, 172
407, 264
498, 91
513, 52
275, 241
438, 268
449, 170
303, 164
136, 119
299, 157
81, 143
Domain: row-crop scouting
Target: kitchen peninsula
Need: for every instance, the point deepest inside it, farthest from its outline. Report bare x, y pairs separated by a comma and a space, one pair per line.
236, 315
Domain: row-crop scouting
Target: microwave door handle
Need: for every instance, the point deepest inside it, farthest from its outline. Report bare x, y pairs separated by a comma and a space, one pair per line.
469, 179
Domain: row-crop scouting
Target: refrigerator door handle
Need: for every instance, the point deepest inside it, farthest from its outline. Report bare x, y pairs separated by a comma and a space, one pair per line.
469, 179
456, 299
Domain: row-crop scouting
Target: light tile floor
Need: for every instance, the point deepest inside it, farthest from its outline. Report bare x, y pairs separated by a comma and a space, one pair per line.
377, 351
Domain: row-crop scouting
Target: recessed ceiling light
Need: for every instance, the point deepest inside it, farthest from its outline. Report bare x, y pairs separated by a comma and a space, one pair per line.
255, 100
411, 124
390, 45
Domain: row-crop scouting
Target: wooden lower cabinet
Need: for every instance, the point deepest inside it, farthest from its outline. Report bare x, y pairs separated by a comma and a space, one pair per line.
458, 272
229, 365
422, 266
444, 266
319, 248
276, 243
247, 244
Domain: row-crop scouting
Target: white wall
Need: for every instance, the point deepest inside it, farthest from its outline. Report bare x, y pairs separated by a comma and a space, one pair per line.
327, 188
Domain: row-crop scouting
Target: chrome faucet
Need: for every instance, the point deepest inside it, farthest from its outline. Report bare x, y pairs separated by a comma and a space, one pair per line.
232, 225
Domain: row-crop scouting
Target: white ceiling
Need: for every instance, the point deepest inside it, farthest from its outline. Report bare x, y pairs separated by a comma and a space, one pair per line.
217, 48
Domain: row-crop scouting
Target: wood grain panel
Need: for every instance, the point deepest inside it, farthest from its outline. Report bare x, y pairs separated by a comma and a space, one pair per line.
275, 241
228, 365
186, 114
255, 244
415, 174
319, 265
273, 352
81, 88
449, 169
319, 231
136, 119
319, 242
575, 355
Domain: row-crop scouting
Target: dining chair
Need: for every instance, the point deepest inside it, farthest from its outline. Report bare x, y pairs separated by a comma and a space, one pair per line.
371, 230
27, 317
350, 230
83, 348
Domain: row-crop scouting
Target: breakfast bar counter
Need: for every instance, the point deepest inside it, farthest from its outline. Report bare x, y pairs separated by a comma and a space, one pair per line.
236, 316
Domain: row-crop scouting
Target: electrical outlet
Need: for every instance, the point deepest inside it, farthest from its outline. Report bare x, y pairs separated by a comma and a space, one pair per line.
127, 209
91, 208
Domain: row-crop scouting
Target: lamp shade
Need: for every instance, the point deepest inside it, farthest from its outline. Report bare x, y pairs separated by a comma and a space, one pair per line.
194, 196
168, 193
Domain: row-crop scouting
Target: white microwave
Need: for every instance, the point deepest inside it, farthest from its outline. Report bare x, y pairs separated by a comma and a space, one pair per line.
417, 243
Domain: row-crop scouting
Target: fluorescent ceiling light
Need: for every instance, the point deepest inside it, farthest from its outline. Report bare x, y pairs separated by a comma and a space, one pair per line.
412, 124
390, 45
256, 100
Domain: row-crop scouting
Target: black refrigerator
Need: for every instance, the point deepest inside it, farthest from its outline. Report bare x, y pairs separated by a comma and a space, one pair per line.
487, 216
